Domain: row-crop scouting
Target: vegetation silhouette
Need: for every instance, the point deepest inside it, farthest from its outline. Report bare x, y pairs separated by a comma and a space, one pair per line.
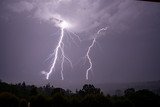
22, 95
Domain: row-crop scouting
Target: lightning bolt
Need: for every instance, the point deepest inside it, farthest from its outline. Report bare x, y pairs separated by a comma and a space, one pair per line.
89, 49
59, 50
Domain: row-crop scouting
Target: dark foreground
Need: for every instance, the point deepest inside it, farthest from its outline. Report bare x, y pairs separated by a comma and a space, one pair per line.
22, 95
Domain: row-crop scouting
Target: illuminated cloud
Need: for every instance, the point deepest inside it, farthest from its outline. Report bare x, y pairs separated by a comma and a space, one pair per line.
84, 15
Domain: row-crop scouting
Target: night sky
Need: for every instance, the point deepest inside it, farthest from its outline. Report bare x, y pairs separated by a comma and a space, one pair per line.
128, 51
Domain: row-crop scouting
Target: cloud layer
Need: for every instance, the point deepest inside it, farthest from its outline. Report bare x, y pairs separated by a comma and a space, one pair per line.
84, 15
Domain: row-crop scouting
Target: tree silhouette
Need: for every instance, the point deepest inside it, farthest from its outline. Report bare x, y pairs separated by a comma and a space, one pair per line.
89, 89
33, 90
48, 96
129, 92
8, 100
59, 100
39, 101
23, 103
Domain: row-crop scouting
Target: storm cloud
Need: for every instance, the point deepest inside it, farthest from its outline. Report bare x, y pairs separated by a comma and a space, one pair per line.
84, 15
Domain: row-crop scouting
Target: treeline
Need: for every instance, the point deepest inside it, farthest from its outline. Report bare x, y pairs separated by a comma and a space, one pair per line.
22, 95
